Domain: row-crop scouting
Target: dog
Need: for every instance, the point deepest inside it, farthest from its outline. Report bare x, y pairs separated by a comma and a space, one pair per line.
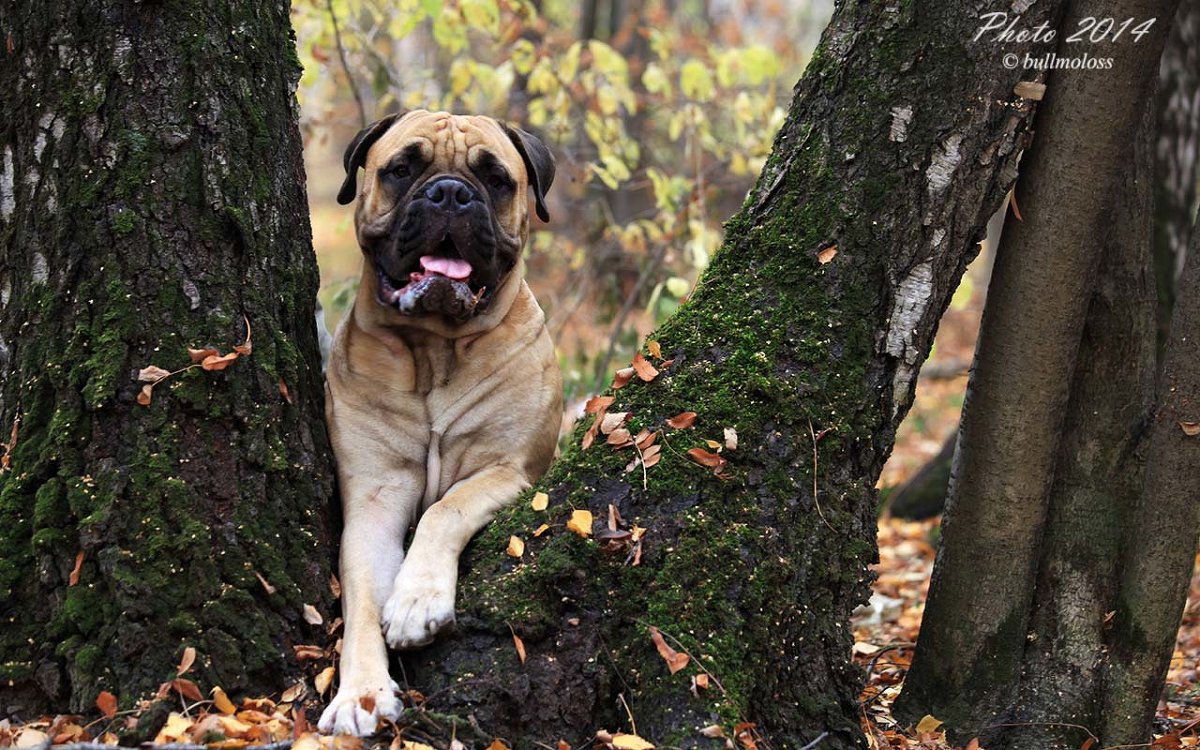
443, 391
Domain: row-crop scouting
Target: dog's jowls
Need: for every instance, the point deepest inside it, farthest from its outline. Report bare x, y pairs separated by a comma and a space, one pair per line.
444, 395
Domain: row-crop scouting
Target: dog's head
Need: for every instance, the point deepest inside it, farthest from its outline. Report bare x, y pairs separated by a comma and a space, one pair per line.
442, 215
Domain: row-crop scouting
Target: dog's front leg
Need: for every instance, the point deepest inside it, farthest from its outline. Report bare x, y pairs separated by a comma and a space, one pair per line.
376, 520
422, 599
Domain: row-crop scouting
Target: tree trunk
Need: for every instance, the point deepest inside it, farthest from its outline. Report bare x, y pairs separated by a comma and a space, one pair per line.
1097, 479
968, 656
151, 200
1161, 541
809, 327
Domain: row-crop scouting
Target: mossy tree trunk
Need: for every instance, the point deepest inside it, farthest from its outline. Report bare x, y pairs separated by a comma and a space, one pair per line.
151, 200
810, 326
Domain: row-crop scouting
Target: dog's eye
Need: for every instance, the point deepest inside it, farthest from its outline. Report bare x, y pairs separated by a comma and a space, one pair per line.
401, 171
500, 181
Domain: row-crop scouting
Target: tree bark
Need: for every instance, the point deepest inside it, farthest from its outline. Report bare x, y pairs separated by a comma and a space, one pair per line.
152, 199
969, 653
1161, 541
809, 327
1097, 478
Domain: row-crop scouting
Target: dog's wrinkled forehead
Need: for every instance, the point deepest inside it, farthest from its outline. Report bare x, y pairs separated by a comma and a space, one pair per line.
448, 143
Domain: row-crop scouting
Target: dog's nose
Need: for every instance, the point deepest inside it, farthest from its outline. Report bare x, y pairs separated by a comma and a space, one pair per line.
449, 193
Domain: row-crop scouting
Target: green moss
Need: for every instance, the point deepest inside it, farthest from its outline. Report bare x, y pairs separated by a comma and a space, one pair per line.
124, 222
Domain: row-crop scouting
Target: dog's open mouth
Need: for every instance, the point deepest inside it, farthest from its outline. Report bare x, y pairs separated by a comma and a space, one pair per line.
441, 285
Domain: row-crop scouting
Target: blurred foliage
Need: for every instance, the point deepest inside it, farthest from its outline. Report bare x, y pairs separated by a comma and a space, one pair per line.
660, 113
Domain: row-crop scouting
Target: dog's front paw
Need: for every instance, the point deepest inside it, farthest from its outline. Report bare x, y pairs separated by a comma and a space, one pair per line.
415, 613
358, 710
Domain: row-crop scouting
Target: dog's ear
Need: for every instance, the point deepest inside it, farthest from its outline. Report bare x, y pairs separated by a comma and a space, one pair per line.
356, 155
539, 163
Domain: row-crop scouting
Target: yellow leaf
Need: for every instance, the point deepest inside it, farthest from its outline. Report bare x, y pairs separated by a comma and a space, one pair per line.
928, 724
410, 745
827, 254
32, 738
516, 547
696, 81
630, 742
222, 702
541, 529
540, 501
324, 679
176, 728
581, 523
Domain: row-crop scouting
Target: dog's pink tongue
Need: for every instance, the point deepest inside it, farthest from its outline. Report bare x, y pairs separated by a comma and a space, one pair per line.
453, 268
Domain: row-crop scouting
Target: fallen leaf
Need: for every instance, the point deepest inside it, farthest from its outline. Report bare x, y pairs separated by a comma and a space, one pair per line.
187, 689
32, 738
654, 349
619, 438
675, 660
713, 730
516, 547
704, 458
682, 420
540, 501
145, 395
245, 347
666, 363
827, 254
563, 745
497, 744
299, 723
335, 586
186, 661
597, 404
231, 726
613, 420
324, 679
643, 368
541, 529
630, 742
974, 744
714, 445
702, 681
581, 523
928, 724
294, 693
283, 391
410, 745
312, 616
107, 703
152, 374
645, 439
304, 652
862, 648
1087, 744
222, 702
731, 438
199, 355
218, 362
176, 728
74, 577
520, 644
1191, 429
265, 584
622, 377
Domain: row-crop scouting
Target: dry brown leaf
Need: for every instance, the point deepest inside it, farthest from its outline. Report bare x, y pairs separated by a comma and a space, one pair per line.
974, 744
152, 374
187, 689
186, 661
74, 577
294, 693
305, 652
704, 458
622, 377
1191, 429
619, 438
283, 391
581, 523
644, 442
324, 679
107, 703
222, 702
520, 645
1087, 744
218, 362
199, 355
265, 584
731, 438
682, 420
613, 420
175, 729
655, 350
589, 436
145, 395
928, 724
713, 731
563, 745
702, 681
614, 518
497, 744
827, 254
666, 363
541, 529
516, 547
312, 616
335, 586
597, 404
540, 501
675, 660
643, 368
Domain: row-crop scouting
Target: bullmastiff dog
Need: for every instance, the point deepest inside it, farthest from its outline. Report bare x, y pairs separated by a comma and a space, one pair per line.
443, 391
